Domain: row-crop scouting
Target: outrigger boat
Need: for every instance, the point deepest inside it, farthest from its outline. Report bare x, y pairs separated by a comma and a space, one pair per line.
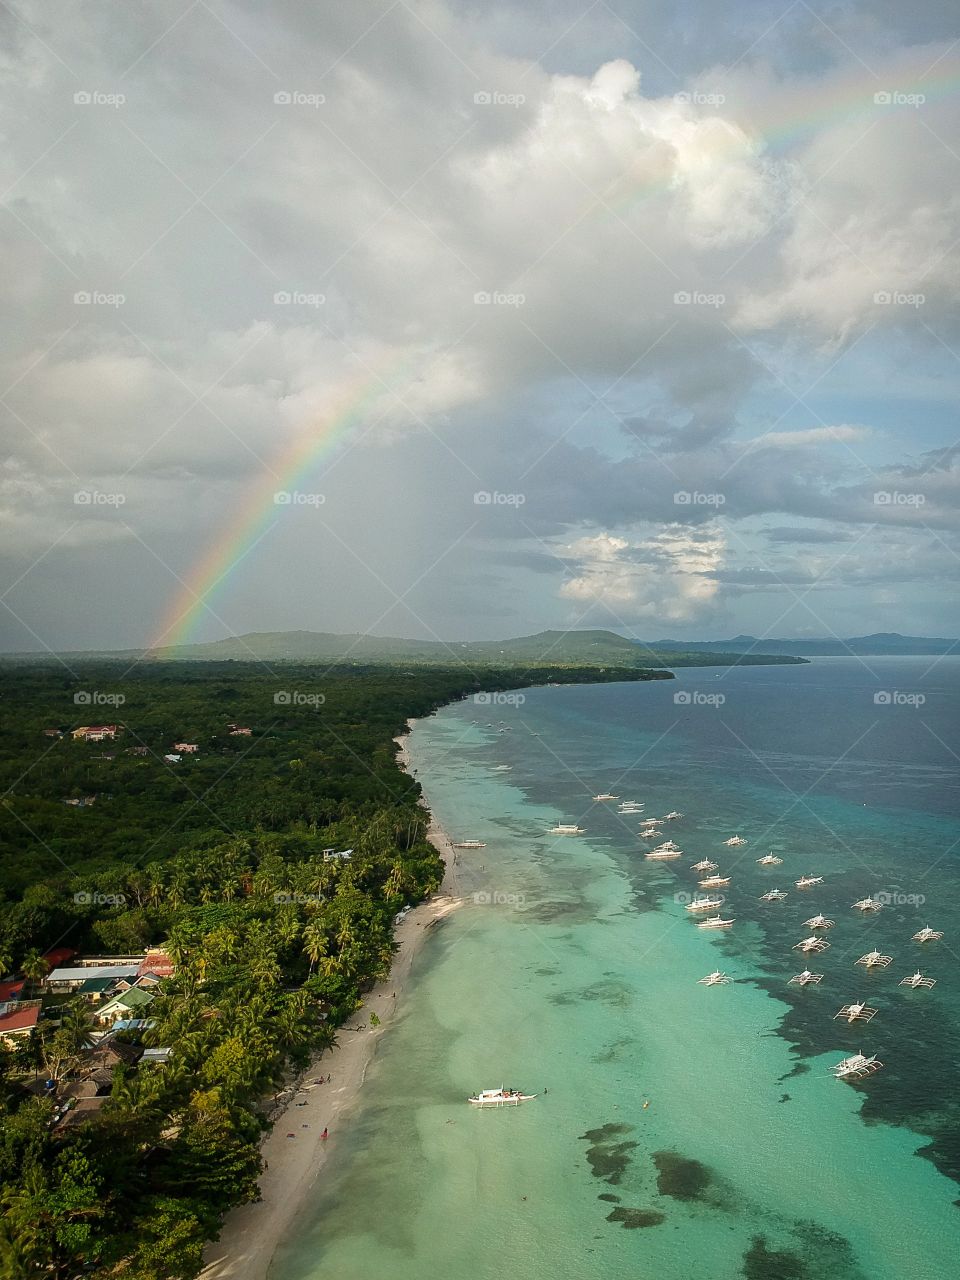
858, 1012
819, 922
501, 1098
502, 768
715, 882
769, 860
704, 865
807, 882
715, 979
926, 934
866, 905
773, 895
663, 854
630, 806
813, 943
669, 817
715, 922
471, 844
566, 829
605, 795
856, 1067
704, 904
734, 841
805, 979
874, 960
918, 980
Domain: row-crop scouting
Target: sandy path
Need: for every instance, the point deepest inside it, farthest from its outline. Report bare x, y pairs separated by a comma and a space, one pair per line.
252, 1232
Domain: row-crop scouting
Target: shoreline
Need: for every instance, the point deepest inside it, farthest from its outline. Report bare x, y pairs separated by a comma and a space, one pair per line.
252, 1232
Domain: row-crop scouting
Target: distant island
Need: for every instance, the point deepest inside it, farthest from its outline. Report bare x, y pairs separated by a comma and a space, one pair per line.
595, 648
880, 644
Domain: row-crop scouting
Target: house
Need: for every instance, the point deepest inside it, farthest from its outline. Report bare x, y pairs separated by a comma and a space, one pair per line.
96, 989
156, 1055
53, 733
133, 1024
72, 979
129, 1004
17, 1020
80, 802
239, 731
138, 751
331, 855
172, 759
107, 1055
96, 732
84, 1109
187, 748
156, 962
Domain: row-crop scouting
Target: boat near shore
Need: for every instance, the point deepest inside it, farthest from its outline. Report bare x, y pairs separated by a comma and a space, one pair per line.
500, 1098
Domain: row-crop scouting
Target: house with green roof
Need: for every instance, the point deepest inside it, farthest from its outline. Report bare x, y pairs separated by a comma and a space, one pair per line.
128, 1004
96, 989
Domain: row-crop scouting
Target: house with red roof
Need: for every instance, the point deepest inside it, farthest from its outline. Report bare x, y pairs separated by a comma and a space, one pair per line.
17, 1020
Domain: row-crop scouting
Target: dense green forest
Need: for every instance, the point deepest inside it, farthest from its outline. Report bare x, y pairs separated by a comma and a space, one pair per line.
109, 847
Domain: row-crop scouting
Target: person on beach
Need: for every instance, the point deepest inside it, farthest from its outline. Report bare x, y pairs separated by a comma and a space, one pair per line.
324, 1134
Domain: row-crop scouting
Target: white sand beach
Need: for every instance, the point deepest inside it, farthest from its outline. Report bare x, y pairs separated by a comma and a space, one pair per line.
294, 1152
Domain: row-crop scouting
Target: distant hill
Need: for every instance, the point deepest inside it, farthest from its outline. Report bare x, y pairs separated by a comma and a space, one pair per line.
562, 648
879, 644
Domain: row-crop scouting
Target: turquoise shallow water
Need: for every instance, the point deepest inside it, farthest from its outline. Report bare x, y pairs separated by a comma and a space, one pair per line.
575, 969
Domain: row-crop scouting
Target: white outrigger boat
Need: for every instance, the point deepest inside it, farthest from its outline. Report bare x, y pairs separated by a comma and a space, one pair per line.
604, 795
501, 1098
866, 905
715, 922
813, 943
704, 904
671, 816
819, 922
859, 1011
630, 806
917, 980
704, 865
773, 895
714, 882
734, 841
807, 882
856, 1067
769, 860
805, 979
874, 960
715, 979
926, 934
663, 854
471, 844
502, 768
567, 829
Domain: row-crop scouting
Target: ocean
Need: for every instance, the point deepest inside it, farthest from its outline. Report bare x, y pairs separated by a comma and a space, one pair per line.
680, 1130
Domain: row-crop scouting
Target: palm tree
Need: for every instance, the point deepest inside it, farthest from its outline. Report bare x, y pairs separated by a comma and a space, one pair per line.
34, 967
314, 942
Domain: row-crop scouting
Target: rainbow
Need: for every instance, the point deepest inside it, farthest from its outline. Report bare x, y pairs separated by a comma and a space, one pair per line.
789, 115
260, 511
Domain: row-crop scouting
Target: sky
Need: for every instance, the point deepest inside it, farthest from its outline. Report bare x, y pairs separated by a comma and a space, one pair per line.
461, 320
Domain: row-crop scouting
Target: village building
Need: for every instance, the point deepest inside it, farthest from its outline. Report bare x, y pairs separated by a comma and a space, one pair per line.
96, 732
187, 748
17, 1020
128, 1004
